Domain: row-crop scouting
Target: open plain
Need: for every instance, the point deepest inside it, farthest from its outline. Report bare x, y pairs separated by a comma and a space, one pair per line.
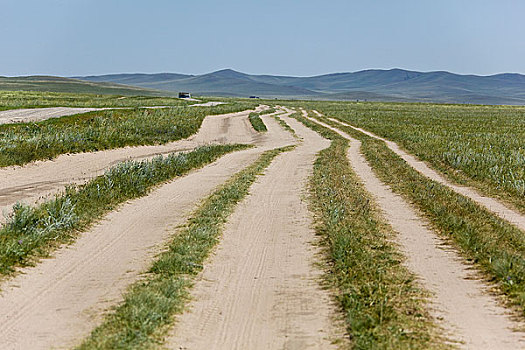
311, 228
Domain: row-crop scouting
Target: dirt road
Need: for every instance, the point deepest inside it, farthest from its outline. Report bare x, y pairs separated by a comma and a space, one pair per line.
58, 302
39, 114
40, 179
493, 205
260, 289
469, 313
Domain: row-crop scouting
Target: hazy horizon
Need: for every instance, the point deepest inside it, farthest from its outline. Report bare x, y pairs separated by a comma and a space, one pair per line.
294, 38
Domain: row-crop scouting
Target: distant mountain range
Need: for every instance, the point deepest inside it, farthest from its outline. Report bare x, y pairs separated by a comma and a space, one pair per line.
371, 85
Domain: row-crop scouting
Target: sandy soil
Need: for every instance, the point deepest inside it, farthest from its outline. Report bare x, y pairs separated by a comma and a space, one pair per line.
469, 313
491, 204
40, 179
260, 290
58, 302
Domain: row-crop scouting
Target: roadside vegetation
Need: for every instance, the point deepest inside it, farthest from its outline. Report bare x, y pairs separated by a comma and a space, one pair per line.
482, 146
496, 247
34, 231
383, 306
93, 131
150, 305
257, 122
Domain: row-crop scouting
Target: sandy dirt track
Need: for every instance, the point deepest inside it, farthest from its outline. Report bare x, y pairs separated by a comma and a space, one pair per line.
26, 115
38, 114
58, 302
469, 313
31, 182
495, 206
208, 104
260, 290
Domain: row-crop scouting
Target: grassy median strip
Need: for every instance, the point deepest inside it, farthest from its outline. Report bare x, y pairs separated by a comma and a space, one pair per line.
108, 129
150, 305
33, 231
285, 125
383, 306
257, 122
494, 245
267, 111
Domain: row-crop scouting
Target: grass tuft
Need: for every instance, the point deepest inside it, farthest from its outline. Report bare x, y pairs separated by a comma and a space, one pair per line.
257, 122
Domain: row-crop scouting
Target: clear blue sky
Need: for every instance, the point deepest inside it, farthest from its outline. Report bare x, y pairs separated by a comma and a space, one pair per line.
289, 37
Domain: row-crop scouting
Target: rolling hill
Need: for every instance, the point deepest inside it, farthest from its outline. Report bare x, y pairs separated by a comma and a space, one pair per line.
373, 85
59, 84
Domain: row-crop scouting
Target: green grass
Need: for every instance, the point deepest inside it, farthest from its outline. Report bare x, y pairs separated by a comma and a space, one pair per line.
34, 231
23, 143
496, 247
382, 304
482, 146
150, 305
257, 122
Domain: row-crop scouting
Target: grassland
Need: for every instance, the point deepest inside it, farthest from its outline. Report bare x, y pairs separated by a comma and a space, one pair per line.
23, 143
482, 146
33, 231
150, 305
383, 306
257, 122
